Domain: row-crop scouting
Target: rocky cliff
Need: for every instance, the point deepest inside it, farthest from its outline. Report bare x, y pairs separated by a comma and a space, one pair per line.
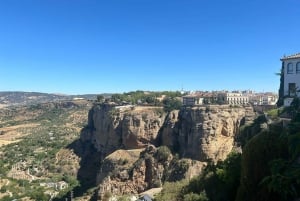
126, 138
135, 171
111, 127
205, 133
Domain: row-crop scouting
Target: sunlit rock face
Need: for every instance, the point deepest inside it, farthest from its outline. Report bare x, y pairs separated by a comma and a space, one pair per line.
205, 133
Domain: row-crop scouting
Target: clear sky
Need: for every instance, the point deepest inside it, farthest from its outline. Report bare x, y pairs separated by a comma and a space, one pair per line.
97, 46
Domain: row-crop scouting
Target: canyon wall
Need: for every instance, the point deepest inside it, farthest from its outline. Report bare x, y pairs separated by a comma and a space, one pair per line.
205, 133
202, 133
196, 134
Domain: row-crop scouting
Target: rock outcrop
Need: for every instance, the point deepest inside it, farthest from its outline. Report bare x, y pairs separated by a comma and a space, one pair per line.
197, 134
205, 133
135, 171
111, 128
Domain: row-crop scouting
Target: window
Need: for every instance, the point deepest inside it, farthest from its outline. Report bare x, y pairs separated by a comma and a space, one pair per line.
298, 67
290, 68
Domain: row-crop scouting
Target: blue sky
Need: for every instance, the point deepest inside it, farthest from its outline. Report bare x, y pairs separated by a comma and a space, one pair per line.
97, 46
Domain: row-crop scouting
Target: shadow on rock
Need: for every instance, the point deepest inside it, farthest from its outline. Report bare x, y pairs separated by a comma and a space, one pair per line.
89, 165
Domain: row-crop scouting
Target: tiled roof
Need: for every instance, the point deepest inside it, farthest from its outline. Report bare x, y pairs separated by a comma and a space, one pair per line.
294, 56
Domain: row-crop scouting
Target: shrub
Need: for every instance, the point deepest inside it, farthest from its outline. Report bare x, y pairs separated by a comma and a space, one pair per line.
171, 191
196, 197
163, 153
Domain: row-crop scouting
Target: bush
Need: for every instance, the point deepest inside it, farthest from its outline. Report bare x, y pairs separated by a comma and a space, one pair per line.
3, 189
163, 153
196, 197
38, 194
171, 191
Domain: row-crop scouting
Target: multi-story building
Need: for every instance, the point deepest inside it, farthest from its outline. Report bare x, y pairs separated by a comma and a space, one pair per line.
263, 99
234, 98
231, 98
291, 73
200, 98
191, 100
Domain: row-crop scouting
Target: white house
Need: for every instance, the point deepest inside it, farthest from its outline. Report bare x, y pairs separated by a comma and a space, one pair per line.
291, 72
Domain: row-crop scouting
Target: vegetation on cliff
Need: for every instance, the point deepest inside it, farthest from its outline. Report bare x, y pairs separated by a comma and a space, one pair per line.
270, 162
216, 182
219, 181
258, 153
168, 99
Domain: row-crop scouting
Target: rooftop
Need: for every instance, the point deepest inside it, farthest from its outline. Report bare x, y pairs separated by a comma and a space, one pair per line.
200, 95
294, 56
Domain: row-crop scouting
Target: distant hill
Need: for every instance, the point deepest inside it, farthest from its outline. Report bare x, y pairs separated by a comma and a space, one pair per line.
12, 98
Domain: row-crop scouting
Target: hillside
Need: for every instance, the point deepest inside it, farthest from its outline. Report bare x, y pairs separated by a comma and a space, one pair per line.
92, 151
35, 162
13, 98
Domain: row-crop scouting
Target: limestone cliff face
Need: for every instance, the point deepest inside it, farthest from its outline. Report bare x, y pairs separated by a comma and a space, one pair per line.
141, 127
205, 133
202, 133
111, 128
135, 171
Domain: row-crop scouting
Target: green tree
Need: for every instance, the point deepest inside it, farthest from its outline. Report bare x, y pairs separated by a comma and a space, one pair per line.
100, 98
171, 104
283, 179
281, 86
220, 181
196, 197
257, 154
163, 153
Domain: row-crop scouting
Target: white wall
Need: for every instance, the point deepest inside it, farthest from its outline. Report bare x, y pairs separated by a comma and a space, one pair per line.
291, 78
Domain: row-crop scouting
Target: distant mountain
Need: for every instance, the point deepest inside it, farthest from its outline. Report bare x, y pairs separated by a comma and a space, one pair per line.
9, 98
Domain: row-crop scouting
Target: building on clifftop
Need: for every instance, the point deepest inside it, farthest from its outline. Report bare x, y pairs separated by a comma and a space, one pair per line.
291, 73
234, 98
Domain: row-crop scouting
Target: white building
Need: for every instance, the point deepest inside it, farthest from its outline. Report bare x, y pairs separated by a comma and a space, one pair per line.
269, 100
291, 70
192, 100
263, 99
235, 98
